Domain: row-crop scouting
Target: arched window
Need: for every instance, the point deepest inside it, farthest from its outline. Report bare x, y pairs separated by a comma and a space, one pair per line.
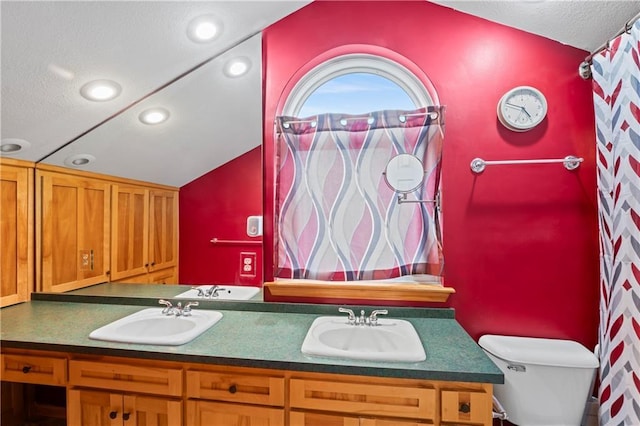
356, 84
356, 93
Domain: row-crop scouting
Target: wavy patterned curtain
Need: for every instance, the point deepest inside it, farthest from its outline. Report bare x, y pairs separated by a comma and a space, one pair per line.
616, 88
336, 218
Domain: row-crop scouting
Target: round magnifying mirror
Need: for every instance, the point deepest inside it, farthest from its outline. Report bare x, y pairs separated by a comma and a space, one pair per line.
404, 173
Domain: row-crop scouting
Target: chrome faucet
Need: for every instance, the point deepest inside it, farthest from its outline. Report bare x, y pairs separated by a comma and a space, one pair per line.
177, 310
371, 320
209, 292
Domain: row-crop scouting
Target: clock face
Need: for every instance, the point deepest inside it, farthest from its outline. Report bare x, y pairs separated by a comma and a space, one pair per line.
522, 108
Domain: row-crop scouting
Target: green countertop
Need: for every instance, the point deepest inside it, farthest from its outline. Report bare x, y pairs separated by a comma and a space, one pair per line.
252, 335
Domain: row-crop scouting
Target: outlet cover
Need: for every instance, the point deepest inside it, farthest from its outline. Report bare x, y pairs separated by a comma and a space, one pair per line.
248, 264
85, 260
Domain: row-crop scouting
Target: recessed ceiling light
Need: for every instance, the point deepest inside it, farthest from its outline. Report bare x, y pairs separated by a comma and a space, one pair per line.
204, 29
10, 146
100, 90
153, 115
237, 67
79, 160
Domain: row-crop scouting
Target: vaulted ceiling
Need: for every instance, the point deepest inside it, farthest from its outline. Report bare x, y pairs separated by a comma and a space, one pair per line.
50, 49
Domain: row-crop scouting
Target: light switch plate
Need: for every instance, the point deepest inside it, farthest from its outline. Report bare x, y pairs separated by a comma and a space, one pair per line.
254, 226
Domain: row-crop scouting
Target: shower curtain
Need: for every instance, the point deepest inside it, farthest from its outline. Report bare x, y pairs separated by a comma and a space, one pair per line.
616, 88
336, 219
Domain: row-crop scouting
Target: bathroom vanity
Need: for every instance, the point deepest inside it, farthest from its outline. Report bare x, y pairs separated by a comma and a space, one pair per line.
247, 369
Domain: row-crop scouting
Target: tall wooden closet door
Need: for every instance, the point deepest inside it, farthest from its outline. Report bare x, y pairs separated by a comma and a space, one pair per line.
74, 231
16, 234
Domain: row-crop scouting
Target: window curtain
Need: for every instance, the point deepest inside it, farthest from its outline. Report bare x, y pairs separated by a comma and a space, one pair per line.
336, 218
616, 88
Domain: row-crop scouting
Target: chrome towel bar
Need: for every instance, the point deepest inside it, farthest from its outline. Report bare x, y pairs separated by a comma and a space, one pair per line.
570, 162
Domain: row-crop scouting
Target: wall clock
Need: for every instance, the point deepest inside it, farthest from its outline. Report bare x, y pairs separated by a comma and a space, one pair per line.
522, 108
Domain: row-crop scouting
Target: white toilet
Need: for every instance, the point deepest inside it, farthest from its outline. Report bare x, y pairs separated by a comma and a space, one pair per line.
547, 382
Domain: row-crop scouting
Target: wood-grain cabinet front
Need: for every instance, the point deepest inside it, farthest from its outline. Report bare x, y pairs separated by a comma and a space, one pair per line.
144, 235
122, 391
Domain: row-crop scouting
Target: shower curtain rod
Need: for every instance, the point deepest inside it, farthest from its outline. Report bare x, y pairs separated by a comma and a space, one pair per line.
585, 71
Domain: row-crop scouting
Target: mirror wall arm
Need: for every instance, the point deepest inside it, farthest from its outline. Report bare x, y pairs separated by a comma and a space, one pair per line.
402, 199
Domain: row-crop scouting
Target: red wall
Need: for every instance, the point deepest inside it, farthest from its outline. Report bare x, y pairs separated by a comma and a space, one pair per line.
520, 242
216, 205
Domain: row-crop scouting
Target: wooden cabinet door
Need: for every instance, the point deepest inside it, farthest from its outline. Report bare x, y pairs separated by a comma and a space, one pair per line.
204, 413
16, 234
74, 231
151, 411
90, 408
163, 233
129, 231
95, 408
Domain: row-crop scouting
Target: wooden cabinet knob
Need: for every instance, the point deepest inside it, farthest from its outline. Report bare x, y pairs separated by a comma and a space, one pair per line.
465, 407
113, 415
125, 416
26, 369
233, 389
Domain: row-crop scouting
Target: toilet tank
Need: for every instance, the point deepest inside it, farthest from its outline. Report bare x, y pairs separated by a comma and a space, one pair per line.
546, 381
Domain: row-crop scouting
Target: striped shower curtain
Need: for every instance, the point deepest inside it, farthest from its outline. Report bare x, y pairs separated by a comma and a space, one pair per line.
616, 88
336, 219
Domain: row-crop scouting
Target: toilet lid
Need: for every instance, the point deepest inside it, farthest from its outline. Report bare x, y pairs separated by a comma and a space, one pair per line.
530, 350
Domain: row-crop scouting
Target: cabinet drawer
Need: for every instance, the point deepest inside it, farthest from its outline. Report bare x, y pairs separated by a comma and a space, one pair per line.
363, 398
236, 387
466, 407
205, 413
302, 418
33, 369
124, 377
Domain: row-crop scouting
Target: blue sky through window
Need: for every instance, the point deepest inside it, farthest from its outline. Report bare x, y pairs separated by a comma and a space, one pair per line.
356, 93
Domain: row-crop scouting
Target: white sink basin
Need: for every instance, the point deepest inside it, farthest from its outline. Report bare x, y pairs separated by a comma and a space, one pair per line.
151, 326
226, 292
389, 340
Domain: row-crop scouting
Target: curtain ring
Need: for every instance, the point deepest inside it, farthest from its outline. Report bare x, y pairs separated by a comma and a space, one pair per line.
627, 27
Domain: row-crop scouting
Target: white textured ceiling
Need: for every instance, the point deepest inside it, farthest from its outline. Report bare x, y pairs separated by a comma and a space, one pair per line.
51, 48
585, 24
